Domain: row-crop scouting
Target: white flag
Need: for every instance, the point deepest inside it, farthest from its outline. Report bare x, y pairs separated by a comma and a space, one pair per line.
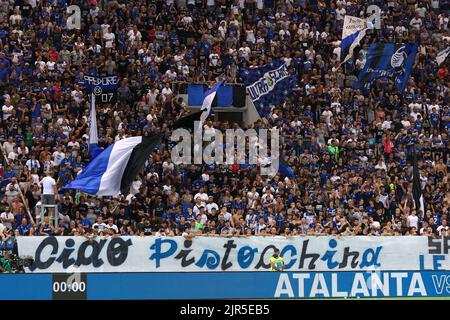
442, 55
353, 31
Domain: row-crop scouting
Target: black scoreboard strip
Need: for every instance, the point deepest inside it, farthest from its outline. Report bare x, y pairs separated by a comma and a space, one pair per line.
69, 286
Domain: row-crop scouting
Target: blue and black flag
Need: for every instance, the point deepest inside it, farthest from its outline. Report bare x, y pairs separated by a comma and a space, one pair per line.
268, 85
386, 61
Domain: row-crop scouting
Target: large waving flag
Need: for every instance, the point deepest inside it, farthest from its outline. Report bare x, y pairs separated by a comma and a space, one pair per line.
208, 98
385, 61
268, 85
353, 32
94, 149
113, 170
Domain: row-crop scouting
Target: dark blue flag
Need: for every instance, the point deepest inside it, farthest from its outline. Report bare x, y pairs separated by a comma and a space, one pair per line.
386, 61
268, 85
103, 88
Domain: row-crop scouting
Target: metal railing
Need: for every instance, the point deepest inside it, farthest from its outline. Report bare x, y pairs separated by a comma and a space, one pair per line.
40, 213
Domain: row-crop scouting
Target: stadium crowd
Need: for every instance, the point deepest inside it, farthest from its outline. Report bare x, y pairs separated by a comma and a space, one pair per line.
350, 149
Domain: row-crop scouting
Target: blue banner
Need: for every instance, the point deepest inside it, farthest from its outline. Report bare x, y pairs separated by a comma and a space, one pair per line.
103, 88
268, 85
96, 84
386, 61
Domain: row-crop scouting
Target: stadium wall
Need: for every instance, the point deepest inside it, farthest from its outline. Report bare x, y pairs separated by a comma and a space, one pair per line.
209, 268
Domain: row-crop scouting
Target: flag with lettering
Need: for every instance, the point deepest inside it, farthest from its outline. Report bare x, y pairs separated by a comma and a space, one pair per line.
353, 32
103, 88
388, 61
268, 85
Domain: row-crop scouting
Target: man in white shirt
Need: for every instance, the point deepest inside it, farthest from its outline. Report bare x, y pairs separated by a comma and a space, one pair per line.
211, 205
112, 226
134, 35
340, 12
413, 220
14, 154
49, 190
197, 208
226, 215
327, 114
33, 163
245, 49
7, 110
109, 38
443, 21
416, 22
151, 95
100, 225
202, 195
166, 91
7, 218
9, 145
58, 156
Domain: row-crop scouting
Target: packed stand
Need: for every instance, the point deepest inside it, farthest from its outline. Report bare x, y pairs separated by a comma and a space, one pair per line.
350, 149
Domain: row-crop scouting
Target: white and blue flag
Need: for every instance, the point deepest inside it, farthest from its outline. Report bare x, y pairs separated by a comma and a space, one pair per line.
269, 85
94, 149
208, 98
353, 32
113, 170
442, 55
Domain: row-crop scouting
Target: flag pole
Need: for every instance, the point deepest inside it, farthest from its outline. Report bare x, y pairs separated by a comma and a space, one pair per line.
20, 191
417, 186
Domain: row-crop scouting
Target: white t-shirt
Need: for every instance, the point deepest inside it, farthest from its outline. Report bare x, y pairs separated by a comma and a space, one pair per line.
47, 185
101, 226
58, 157
227, 216
51, 65
7, 111
109, 39
327, 114
12, 156
73, 145
165, 92
151, 96
416, 23
31, 164
6, 215
413, 221
210, 206
340, 13
114, 227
